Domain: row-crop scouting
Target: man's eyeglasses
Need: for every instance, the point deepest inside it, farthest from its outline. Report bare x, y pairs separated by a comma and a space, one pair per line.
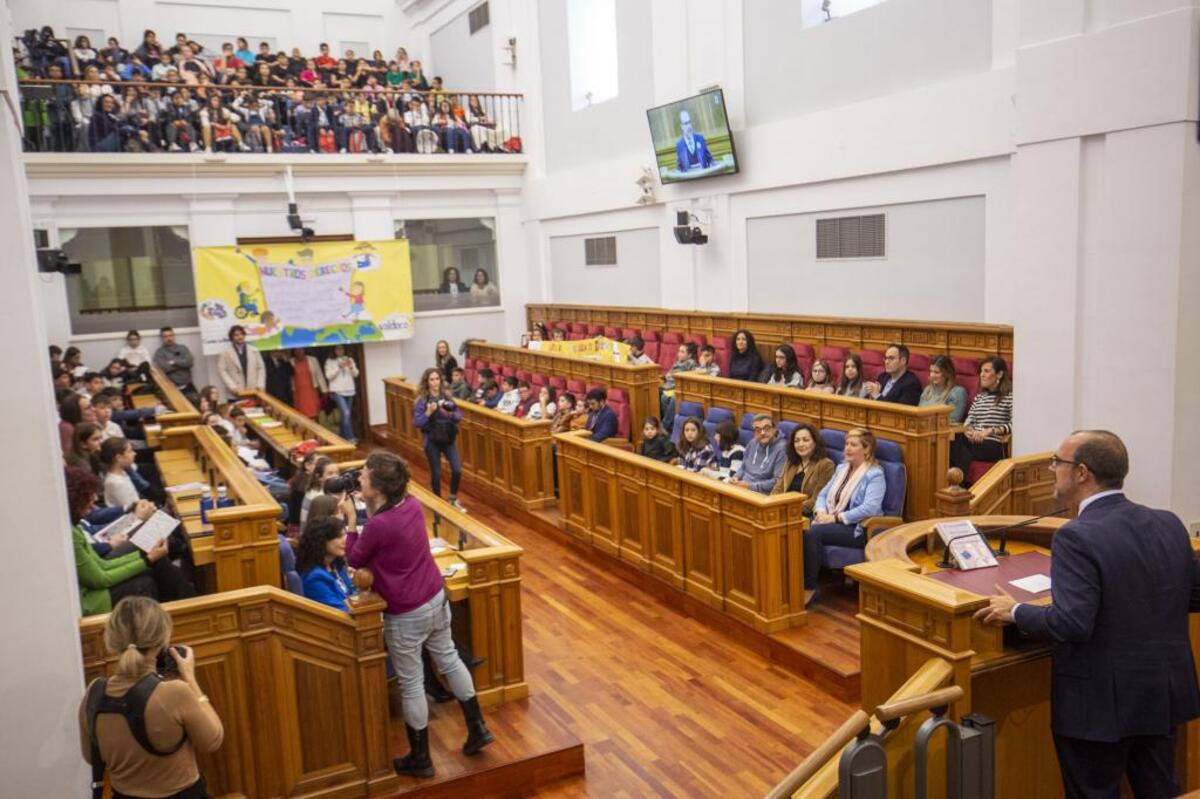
1056, 461
766, 428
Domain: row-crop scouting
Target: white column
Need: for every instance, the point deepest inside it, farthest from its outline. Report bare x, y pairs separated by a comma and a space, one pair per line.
373, 221
41, 658
213, 223
512, 254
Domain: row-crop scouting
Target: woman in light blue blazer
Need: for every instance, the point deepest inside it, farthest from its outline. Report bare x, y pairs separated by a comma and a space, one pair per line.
853, 495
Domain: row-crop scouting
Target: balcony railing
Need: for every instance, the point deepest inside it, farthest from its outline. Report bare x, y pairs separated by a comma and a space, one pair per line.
146, 116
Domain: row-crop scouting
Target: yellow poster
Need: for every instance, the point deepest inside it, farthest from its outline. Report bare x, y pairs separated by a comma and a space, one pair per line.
588, 349
304, 294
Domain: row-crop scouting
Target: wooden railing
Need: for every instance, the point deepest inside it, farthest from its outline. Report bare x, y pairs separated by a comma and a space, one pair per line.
301, 689
735, 550
967, 339
1013, 486
817, 776
294, 427
180, 411
508, 458
640, 383
923, 434
239, 542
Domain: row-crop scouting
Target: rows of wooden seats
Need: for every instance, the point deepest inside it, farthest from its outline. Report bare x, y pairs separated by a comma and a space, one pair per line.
293, 428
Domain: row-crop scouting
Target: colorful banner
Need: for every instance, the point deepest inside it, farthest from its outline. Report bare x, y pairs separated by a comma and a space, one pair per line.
588, 349
304, 295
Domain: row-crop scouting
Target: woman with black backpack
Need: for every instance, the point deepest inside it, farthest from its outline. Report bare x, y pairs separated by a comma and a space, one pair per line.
437, 416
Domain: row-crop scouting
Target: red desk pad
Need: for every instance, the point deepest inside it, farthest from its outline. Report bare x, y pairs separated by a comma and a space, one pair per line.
1014, 567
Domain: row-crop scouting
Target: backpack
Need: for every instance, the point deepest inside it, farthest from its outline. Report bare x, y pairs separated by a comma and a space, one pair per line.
326, 142
357, 142
133, 707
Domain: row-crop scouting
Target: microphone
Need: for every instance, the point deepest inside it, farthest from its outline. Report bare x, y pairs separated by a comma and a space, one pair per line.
1002, 552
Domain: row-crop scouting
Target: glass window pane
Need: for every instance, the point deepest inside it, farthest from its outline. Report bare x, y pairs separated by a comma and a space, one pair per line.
453, 262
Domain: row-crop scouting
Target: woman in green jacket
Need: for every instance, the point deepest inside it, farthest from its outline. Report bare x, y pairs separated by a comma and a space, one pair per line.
103, 582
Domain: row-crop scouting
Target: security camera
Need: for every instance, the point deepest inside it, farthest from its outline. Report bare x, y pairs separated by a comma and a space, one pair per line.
688, 230
297, 224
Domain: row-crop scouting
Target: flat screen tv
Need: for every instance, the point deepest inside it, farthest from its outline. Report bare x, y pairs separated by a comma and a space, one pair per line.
692, 138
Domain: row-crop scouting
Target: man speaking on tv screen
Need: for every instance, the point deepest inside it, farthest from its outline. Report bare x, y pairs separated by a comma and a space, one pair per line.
691, 150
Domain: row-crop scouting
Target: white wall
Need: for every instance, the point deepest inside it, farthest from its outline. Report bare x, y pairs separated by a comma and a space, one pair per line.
464, 60
933, 269
244, 200
41, 660
636, 269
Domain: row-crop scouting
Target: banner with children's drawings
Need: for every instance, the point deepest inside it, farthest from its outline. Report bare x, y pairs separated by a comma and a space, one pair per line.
304, 295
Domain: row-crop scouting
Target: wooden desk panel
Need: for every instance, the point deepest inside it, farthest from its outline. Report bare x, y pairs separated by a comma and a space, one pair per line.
294, 428
506, 457
968, 339
923, 434
737, 551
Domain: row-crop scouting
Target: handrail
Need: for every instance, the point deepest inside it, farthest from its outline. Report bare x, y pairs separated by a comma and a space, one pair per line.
182, 410
833, 745
940, 698
821, 778
260, 89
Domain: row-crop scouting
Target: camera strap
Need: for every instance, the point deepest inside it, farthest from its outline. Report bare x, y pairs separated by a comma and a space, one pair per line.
133, 707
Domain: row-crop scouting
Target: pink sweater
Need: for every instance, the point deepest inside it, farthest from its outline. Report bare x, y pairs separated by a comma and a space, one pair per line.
394, 546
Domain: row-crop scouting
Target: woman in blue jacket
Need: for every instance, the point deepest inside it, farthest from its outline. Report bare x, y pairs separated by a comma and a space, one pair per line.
853, 495
321, 562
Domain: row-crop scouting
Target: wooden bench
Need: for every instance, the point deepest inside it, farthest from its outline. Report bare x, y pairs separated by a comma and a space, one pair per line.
239, 543
923, 434
283, 427
967, 339
734, 549
181, 412
508, 458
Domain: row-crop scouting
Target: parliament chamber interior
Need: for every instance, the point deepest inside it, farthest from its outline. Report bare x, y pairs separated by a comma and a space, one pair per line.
564, 398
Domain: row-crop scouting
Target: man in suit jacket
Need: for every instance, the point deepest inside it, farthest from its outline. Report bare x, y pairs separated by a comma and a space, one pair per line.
240, 365
691, 151
601, 419
1123, 580
896, 384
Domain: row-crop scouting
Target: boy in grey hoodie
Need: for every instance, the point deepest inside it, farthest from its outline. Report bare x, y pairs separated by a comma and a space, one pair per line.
764, 457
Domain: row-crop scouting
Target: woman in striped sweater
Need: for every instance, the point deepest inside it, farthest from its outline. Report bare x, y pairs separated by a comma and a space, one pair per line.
989, 419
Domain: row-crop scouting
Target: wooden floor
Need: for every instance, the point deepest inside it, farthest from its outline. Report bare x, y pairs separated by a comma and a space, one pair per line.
665, 705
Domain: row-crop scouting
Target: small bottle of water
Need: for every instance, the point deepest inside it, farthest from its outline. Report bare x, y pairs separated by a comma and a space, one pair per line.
223, 500
206, 503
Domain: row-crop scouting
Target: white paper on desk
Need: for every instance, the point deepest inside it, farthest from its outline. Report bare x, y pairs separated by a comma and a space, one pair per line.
122, 525
247, 454
1034, 583
185, 487
271, 423
453, 569
437, 545
252, 412
156, 528
152, 428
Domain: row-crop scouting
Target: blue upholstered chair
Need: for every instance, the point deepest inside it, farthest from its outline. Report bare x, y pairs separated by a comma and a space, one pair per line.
887, 453
287, 565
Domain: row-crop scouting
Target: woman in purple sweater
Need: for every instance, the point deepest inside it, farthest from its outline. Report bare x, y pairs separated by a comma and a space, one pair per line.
393, 544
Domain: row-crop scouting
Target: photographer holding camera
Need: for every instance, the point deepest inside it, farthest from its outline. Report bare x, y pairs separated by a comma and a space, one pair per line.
395, 547
437, 416
151, 752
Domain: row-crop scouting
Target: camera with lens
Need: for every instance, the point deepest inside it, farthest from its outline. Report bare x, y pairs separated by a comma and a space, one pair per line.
344, 483
165, 665
446, 404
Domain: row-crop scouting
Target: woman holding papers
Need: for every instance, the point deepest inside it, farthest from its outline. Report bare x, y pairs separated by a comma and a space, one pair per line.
854, 494
102, 583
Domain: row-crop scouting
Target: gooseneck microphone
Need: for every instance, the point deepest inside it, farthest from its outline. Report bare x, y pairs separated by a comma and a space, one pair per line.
1002, 552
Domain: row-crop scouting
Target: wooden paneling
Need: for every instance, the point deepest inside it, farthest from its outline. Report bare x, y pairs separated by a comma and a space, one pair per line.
932, 338
240, 542
300, 687
1022, 486
640, 383
923, 434
733, 549
294, 427
509, 458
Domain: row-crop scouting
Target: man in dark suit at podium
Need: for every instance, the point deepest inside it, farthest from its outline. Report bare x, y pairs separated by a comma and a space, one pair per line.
1123, 580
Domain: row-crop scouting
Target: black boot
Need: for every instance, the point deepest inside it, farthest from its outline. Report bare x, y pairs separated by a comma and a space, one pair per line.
417, 762
478, 735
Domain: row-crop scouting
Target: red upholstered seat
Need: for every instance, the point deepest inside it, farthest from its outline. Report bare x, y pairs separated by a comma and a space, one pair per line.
721, 351
965, 366
805, 363
803, 349
698, 338
578, 327
671, 339
594, 330
537, 380
618, 395
630, 332
831, 353
621, 409
835, 370
971, 384
591, 386
576, 336
497, 369
560, 383
918, 364
871, 357
508, 371
977, 470
651, 335
523, 374
652, 350
612, 332
576, 387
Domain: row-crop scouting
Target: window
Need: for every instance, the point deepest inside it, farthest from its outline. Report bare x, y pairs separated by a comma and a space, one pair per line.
815, 12
600, 251
453, 262
852, 237
131, 277
592, 43
478, 18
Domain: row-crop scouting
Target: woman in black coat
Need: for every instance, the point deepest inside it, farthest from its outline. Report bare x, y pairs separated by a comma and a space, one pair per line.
745, 363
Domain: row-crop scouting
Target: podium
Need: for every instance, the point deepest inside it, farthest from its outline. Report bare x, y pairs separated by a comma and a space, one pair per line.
906, 617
